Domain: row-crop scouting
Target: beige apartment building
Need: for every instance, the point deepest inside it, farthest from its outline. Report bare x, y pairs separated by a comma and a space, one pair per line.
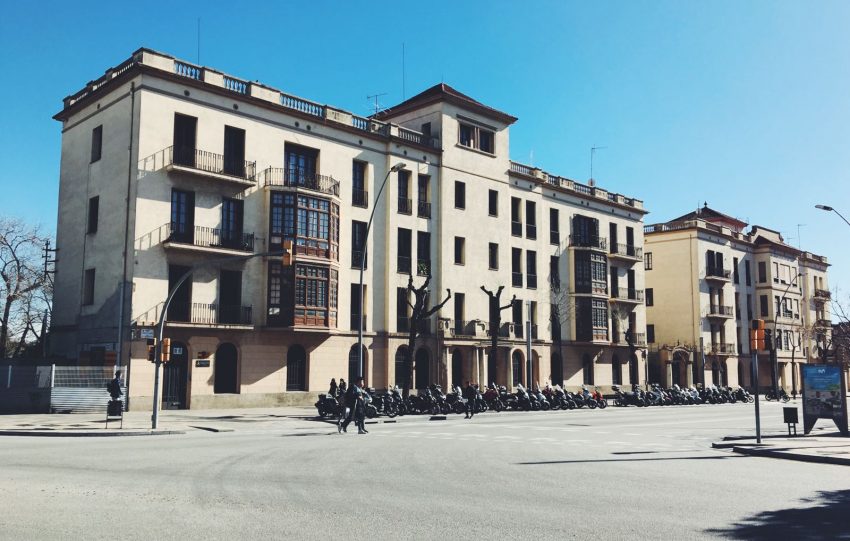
707, 279
169, 167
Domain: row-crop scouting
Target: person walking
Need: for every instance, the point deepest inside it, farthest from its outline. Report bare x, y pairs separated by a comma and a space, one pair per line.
355, 408
332, 389
342, 387
469, 393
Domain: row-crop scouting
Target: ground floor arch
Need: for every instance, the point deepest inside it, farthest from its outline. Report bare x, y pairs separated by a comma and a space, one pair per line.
422, 368
296, 368
226, 369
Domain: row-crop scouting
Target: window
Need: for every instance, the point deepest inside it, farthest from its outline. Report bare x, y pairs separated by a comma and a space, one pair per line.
516, 267
94, 204
530, 220
460, 257
460, 195
647, 261
493, 256
516, 217
426, 129
554, 227
585, 232
735, 276
402, 309
182, 216
312, 294
96, 143
423, 209
747, 274
404, 250
531, 268
185, 130
650, 300
591, 272
359, 195
587, 370
274, 293
519, 324
765, 309
300, 164
493, 203
650, 334
749, 307
355, 306
88, 287
358, 243
405, 206
555, 320
476, 137
554, 273
616, 371
423, 253
762, 272
234, 151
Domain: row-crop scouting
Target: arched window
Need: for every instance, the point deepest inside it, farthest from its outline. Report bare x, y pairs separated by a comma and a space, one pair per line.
616, 371
354, 363
296, 369
401, 366
457, 367
557, 369
587, 369
423, 368
516, 366
225, 378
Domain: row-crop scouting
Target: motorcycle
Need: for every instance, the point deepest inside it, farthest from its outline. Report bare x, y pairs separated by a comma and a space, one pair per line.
622, 398
327, 406
783, 396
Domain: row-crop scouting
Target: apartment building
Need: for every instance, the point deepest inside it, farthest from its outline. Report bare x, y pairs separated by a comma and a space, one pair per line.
707, 279
171, 169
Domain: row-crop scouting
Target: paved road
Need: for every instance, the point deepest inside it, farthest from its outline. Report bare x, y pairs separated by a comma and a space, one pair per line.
613, 474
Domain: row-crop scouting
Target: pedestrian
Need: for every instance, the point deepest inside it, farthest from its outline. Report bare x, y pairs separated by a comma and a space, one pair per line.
355, 408
342, 386
332, 390
114, 386
469, 393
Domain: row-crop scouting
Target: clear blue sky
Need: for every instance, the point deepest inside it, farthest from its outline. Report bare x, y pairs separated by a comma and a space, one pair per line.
745, 105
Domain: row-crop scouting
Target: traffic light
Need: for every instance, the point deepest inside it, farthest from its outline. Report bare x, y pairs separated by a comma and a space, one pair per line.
166, 350
286, 257
757, 333
768, 339
152, 350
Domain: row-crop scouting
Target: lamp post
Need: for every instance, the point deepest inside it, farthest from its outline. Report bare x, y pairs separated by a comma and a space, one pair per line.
772, 347
827, 208
394, 169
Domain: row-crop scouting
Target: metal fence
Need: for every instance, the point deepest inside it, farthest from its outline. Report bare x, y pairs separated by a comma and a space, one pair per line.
51, 388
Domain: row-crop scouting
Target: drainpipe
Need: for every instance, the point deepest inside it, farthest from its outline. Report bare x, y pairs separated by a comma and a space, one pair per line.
121, 298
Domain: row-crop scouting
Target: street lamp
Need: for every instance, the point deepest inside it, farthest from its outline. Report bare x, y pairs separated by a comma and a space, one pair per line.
394, 169
830, 209
772, 347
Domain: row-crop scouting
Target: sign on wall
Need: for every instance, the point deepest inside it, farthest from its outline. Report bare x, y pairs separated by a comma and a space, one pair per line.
824, 396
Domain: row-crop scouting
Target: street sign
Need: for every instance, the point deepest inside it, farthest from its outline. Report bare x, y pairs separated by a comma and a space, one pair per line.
824, 396
146, 334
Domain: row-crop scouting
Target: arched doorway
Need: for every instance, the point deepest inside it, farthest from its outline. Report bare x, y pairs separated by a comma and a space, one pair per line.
557, 369
225, 373
401, 366
616, 371
457, 368
296, 369
423, 368
587, 369
517, 363
634, 377
354, 363
679, 367
174, 378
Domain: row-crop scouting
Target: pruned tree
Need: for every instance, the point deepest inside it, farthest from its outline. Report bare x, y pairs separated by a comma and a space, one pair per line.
24, 286
495, 318
419, 313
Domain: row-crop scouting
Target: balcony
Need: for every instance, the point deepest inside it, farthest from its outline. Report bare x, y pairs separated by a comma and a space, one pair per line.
423, 209
627, 295
313, 248
360, 198
405, 206
403, 265
205, 164
470, 329
722, 348
300, 179
822, 294
718, 310
821, 323
593, 242
638, 339
590, 288
626, 252
516, 279
207, 239
423, 267
209, 314
718, 274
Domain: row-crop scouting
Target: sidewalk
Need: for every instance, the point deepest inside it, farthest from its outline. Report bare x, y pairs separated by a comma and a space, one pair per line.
821, 446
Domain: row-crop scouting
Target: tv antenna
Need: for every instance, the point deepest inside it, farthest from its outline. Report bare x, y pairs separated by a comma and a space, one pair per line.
375, 97
799, 240
593, 150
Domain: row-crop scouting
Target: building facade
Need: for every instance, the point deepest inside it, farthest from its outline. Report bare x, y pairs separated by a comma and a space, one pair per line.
707, 279
171, 169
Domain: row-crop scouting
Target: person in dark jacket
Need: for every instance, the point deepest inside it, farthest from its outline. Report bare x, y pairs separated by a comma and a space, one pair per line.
332, 389
469, 394
355, 408
114, 386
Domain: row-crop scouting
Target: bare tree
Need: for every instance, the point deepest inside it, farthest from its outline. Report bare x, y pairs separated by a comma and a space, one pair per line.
495, 318
24, 285
419, 313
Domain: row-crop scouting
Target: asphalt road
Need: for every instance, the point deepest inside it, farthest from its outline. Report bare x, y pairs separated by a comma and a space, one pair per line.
612, 474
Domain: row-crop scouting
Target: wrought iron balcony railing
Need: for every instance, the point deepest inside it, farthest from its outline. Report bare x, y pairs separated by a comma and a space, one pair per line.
300, 178
209, 162
208, 237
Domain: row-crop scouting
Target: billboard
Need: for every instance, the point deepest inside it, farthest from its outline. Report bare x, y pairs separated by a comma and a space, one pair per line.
824, 396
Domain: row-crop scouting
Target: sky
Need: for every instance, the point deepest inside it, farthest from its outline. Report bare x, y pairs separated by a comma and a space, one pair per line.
743, 105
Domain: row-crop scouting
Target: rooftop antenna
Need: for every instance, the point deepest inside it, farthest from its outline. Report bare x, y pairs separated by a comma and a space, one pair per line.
531, 157
375, 97
198, 60
799, 240
593, 150
403, 96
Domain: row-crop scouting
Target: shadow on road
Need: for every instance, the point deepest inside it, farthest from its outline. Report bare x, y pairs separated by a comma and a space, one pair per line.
826, 519
628, 460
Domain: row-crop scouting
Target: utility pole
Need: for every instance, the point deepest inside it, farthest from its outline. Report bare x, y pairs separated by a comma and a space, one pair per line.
528, 344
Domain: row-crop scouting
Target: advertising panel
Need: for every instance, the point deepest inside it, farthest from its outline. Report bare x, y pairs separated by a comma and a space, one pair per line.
824, 396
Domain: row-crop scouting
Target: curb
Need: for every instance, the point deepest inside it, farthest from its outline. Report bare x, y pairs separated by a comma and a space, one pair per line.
770, 453
89, 434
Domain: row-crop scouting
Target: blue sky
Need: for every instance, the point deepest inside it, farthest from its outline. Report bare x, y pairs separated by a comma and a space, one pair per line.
745, 105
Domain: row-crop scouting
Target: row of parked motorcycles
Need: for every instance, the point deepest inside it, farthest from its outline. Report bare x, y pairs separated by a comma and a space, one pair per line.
432, 401
675, 395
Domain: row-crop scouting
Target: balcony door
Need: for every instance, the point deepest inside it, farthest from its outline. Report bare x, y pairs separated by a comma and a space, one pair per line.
234, 151
230, 297
180, 308
185, 131
232, 213
182, 216
300, 165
